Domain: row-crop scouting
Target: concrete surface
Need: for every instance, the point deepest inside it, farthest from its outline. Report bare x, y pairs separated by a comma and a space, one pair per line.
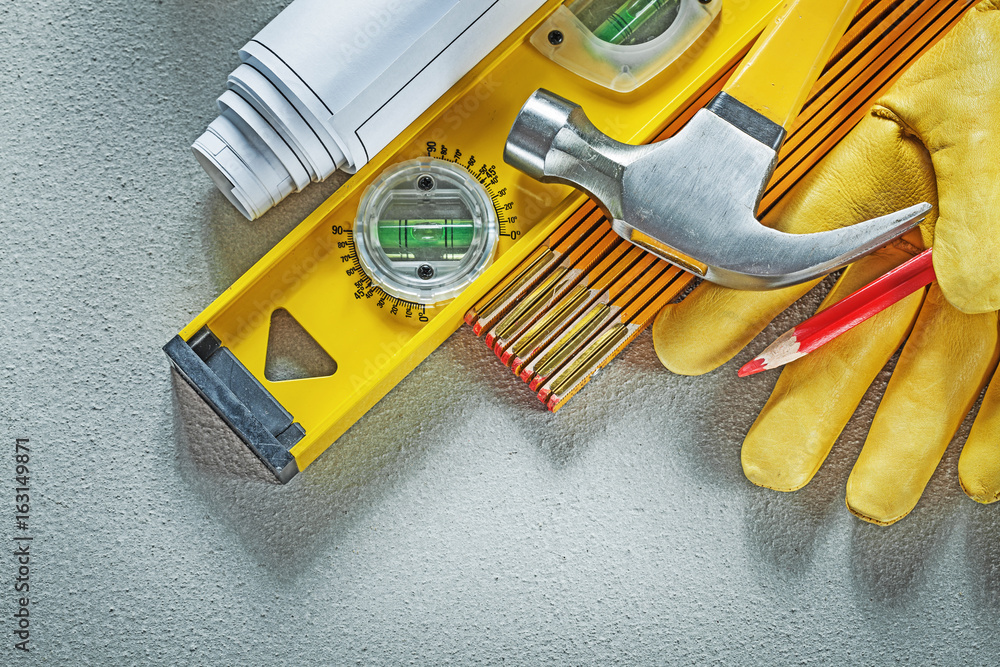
457, 523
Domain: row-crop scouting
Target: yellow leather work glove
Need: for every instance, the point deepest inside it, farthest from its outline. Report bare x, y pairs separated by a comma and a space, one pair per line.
934, 137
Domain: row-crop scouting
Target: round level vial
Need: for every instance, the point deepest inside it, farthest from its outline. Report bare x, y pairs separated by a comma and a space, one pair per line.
425, 230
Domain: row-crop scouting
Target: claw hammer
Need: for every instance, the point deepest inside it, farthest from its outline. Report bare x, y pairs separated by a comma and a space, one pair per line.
692, 199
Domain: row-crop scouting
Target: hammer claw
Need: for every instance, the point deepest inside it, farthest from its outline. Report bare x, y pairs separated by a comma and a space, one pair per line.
787, 259
692, 198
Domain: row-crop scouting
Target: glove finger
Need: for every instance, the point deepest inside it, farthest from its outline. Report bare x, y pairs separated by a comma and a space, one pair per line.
877, 169
979, 465
713, 323
944, 365
816, 395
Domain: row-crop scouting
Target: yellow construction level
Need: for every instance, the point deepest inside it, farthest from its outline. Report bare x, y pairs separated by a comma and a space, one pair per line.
373, 337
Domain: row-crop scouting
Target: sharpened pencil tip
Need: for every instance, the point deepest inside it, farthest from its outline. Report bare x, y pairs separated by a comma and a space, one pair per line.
752, 367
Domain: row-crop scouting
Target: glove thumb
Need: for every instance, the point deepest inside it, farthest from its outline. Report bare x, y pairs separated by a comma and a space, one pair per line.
949, 101
967, 236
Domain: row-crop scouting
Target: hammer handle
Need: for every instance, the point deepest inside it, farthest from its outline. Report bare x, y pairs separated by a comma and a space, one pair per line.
776, 76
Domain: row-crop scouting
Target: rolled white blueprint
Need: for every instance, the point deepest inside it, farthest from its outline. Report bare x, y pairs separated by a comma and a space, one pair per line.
329, 83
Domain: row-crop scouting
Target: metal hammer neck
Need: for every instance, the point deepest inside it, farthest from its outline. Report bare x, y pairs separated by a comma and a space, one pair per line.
745, 119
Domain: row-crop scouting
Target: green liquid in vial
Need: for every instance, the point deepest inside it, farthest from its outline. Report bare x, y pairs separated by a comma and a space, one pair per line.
627, 19
425, 240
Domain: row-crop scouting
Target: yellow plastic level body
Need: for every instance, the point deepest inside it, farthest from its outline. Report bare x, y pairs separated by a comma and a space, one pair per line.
309, 272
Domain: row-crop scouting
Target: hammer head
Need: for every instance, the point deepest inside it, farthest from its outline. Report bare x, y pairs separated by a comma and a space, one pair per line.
692, 198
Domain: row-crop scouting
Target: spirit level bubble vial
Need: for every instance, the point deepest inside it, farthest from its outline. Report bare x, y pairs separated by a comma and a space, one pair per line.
425, 230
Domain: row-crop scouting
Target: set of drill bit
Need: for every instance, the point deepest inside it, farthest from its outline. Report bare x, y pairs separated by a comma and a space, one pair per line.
569, 308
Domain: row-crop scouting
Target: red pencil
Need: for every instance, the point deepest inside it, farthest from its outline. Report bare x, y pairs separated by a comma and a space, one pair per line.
846, 314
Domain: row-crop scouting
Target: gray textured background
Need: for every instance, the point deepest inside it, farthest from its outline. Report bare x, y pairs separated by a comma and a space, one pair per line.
456, 522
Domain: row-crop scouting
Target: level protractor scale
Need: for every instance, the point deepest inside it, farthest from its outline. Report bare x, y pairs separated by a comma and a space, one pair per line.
425, 230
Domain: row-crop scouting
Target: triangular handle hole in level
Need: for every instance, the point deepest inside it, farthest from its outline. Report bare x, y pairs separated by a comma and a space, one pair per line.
292, 354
